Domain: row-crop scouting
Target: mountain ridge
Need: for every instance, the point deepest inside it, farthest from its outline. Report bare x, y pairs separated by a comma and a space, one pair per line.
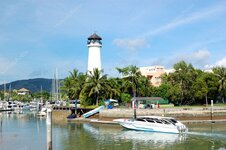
34, 85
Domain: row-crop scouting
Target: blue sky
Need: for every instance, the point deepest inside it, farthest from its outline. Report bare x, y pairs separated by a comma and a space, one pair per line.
38, 36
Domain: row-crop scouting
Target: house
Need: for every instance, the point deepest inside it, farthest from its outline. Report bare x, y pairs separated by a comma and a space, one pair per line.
154, 73
23, 91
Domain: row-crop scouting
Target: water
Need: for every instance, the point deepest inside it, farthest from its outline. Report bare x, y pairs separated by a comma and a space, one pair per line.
25, 132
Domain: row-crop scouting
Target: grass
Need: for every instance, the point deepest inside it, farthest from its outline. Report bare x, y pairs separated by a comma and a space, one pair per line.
190, 106
166, 106
91, 106
220, 104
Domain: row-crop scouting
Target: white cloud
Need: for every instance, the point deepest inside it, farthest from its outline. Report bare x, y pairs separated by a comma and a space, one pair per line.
197, 58
200, 55
208, 66
131, 44
221, 62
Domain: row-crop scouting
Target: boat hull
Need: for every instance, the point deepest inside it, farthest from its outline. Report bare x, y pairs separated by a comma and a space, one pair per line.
152, 127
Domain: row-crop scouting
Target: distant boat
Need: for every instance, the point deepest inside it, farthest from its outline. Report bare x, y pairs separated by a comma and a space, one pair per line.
4, 106
42, 112
153, 124
35, 105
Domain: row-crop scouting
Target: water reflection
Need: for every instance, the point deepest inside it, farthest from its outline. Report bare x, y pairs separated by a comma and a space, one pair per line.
138, 139
134, 135
21, 131
26, 132
116, 137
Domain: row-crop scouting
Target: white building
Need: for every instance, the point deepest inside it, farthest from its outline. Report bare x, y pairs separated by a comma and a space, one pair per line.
153, 73
23, 91
94, 45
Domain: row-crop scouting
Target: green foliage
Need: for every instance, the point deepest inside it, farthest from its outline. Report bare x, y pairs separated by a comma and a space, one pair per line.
161, 91
24, 98
220, 73
185, 86
131, 76
1, 95
96, 84
126, 98
188, 85
144, 88
44, 95
73, 85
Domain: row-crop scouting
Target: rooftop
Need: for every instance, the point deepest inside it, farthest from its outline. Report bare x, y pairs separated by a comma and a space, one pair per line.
94, 36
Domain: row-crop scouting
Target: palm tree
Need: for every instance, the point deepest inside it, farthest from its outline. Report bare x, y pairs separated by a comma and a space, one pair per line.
96, 84
67, 86
144, 87
131, 76
123, 71
220, 72
115, 88
73, 84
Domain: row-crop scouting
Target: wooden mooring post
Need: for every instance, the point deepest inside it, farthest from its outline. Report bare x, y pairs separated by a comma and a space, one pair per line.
49, 129
1, 123
212, 110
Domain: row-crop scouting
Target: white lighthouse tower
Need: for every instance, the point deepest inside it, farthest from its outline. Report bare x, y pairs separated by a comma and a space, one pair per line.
94, 45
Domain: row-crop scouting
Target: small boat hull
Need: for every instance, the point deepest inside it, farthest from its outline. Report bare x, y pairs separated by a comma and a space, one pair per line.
154, 126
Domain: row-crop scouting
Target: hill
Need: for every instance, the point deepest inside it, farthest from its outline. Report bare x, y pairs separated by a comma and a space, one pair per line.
34, 85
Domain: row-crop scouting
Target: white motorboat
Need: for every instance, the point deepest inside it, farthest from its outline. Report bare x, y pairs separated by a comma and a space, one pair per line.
153, 124
42, 112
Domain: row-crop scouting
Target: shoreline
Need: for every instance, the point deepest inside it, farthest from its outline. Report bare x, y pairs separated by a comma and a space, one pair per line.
188, 115
98, 121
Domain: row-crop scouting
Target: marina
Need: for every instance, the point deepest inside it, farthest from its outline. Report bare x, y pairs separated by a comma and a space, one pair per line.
29, 132
109, 75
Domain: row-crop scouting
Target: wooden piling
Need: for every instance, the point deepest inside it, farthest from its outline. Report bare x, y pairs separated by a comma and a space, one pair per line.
211, 109
49, 129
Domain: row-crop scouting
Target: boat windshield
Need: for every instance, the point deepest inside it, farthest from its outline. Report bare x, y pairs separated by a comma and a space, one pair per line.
157, 120
140, 119
150, 120
173, 120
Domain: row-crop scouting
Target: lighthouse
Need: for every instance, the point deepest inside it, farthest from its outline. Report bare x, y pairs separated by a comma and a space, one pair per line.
94, 45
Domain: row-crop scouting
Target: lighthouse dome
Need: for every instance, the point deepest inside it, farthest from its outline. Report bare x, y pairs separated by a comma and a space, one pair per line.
94, 39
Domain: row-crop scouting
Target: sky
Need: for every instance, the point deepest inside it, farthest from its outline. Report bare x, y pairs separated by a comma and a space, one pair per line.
39, 36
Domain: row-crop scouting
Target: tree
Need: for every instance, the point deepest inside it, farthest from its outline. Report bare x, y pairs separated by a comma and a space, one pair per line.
73, 84
114, 90
183, 78
220, 72
205, 86
96, 84
44, 95
1, 95
126, 98
131, 76
67, 87
200, 88
144, 88
162, 91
